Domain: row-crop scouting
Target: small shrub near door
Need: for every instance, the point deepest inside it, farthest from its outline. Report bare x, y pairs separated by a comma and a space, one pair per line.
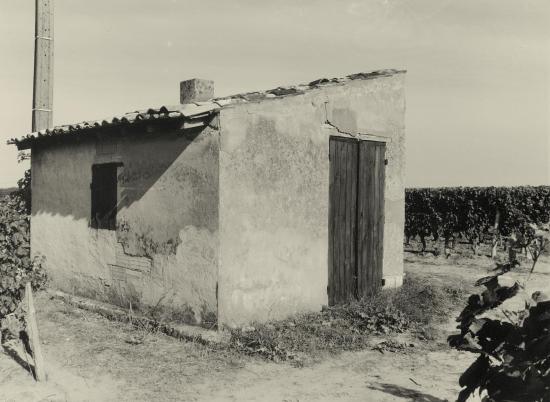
415, 307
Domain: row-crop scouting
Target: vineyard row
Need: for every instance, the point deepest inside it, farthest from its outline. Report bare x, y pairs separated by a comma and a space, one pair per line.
474, 212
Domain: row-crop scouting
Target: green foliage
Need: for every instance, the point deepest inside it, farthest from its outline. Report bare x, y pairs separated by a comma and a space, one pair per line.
16, 266
344, 327
416, 305
514, 355
471, 211
24, 190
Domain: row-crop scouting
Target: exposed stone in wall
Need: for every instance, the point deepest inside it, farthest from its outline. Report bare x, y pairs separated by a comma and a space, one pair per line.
163, 255
140, 264
161, 194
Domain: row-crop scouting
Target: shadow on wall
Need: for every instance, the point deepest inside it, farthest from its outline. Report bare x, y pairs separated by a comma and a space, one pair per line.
166, 198
64, 171
146, 160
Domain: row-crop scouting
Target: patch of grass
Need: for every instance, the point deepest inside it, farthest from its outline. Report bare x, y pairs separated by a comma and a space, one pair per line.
426, 302
417, 305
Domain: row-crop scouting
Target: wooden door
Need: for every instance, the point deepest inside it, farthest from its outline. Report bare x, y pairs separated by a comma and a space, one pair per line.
370, 216
356, 218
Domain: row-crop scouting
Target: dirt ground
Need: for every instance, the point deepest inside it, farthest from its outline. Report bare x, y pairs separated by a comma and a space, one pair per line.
92, 359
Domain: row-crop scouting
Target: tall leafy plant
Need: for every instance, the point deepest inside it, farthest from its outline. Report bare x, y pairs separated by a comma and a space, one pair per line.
16, 265
513, 347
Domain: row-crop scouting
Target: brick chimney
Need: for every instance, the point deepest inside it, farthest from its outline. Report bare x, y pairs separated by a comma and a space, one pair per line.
196, 90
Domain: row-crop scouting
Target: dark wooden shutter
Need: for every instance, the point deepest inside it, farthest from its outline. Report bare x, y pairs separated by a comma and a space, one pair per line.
370, 216
343, 219
356, 218
104, 196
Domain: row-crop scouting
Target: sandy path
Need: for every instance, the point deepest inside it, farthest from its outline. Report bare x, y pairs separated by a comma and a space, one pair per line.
89, 360
363, 376
369, 375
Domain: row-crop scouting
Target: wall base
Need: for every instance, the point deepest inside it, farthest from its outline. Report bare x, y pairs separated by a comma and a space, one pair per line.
392, 282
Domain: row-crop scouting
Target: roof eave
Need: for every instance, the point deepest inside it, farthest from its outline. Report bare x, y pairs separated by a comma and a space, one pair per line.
188, 122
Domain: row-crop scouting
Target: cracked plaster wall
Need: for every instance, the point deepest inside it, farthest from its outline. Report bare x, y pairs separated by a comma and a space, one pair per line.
164, 250
274, 194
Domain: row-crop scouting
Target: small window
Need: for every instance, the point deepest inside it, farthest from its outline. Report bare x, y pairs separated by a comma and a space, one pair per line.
104, 196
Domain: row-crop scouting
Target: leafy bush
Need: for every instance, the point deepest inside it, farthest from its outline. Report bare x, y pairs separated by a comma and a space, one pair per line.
349, 326
24, 190
16, 266
514, 354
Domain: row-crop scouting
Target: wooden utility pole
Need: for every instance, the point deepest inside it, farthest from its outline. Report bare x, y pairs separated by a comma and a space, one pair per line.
42, 118
42, 102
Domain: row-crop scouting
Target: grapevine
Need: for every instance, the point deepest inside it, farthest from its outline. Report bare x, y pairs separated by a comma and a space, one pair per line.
470, 212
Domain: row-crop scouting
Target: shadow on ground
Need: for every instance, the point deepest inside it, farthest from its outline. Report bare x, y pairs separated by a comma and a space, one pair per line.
404, 392
13, 349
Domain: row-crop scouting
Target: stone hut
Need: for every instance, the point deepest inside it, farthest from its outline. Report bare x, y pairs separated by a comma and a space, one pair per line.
230, 210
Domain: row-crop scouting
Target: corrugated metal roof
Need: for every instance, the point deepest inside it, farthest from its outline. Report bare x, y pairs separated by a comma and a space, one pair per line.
192, 111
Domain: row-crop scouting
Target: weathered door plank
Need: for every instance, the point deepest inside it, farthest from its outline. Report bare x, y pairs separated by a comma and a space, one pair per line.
370, 216
381, 167
342, 219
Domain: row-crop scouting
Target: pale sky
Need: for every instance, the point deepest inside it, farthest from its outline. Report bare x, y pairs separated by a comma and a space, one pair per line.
478, 106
